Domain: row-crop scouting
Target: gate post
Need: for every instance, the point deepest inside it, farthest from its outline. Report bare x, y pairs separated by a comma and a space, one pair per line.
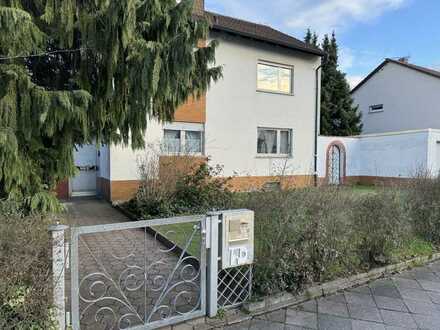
213, 219
58, 264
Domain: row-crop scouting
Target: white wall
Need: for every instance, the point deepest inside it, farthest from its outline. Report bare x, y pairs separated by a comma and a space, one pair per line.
351, 145
411, 100
235, 109
434, 152
400, 154
104, 162
395, 155
124, 161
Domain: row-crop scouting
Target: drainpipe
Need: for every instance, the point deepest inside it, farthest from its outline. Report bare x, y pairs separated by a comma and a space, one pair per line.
317, 90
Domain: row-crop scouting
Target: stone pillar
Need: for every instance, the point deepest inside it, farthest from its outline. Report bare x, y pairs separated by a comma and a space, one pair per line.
212, 219
58, 265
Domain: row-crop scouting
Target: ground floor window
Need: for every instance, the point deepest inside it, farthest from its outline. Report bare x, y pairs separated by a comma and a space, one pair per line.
183, 141
274, 141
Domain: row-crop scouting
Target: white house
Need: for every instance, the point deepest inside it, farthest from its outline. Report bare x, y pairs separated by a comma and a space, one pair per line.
258, 122
399, 96
400, 106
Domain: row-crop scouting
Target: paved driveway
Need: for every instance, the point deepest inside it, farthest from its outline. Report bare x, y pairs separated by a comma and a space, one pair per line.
410, 300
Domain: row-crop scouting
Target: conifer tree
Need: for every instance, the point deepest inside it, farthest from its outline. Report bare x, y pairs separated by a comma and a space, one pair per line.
311, 38
339, 116
308, 37
76, 72
315, 40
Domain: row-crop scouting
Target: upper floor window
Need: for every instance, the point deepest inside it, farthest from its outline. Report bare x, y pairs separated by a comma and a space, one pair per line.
182, 141
275, 78
273, 141
376, 108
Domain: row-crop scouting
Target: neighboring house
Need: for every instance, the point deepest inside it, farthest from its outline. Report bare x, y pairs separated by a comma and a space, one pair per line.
378, 158
258, 122
400, 106
399, 96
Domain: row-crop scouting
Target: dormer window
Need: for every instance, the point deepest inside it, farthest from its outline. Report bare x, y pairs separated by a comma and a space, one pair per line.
376, 108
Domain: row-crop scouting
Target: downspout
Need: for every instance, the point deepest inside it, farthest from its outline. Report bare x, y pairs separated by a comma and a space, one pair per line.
317, 91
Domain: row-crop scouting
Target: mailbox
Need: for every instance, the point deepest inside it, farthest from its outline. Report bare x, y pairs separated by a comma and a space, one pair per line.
237, 238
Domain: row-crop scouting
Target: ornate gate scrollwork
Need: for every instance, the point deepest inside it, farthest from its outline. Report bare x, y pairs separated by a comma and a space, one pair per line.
143, 276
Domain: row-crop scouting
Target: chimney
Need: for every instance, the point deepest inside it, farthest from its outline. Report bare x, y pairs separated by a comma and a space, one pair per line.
199, 7
404, 60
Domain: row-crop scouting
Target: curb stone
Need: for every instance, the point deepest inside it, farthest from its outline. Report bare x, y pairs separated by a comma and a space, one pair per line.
272, 303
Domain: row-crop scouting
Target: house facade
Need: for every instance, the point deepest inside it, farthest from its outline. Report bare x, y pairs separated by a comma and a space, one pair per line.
259, 122
399, 96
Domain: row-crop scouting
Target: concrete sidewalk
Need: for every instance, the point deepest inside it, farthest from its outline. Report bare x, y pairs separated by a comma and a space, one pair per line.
410, 300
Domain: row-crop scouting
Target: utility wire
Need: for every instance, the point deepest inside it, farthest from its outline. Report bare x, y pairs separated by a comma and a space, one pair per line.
3, 58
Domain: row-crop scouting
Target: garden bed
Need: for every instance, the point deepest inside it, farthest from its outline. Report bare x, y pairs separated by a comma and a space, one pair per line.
309, 236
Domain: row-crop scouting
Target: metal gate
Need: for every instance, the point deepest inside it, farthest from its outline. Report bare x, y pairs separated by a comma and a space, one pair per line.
335, 165
138, 275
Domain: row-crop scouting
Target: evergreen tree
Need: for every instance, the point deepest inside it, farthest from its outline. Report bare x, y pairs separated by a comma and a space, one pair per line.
339, 117
315, 40
308, 37
311, 38
76, 72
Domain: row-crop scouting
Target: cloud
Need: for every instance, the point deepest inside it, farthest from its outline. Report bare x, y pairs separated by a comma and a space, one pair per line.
295, 16
353, 81
337, 15
346, 58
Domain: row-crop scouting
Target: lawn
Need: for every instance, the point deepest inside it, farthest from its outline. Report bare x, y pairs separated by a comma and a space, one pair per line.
361, 190
180, 234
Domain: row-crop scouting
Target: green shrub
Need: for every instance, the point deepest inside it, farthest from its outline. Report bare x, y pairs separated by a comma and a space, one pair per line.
25, 281
382, 225
202, 191
299, 238
313, 235
424, 202
199, 191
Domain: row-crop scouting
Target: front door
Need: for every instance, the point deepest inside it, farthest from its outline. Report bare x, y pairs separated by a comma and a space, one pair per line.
84, 183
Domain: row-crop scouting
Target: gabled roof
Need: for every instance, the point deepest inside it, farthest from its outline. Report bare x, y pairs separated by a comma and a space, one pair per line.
420, 69
259, 32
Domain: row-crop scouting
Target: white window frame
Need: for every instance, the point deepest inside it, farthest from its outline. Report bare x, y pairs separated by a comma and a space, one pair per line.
372, 108
277, 65
183, 128
278, 154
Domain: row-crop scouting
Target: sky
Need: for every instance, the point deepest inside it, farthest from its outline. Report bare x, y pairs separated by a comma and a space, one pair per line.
368, 31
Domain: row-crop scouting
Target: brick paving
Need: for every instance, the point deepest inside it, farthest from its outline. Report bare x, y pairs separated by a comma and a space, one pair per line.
113, 267
410, 300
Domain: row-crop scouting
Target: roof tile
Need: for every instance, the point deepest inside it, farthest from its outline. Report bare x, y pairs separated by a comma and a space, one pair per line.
259, 32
